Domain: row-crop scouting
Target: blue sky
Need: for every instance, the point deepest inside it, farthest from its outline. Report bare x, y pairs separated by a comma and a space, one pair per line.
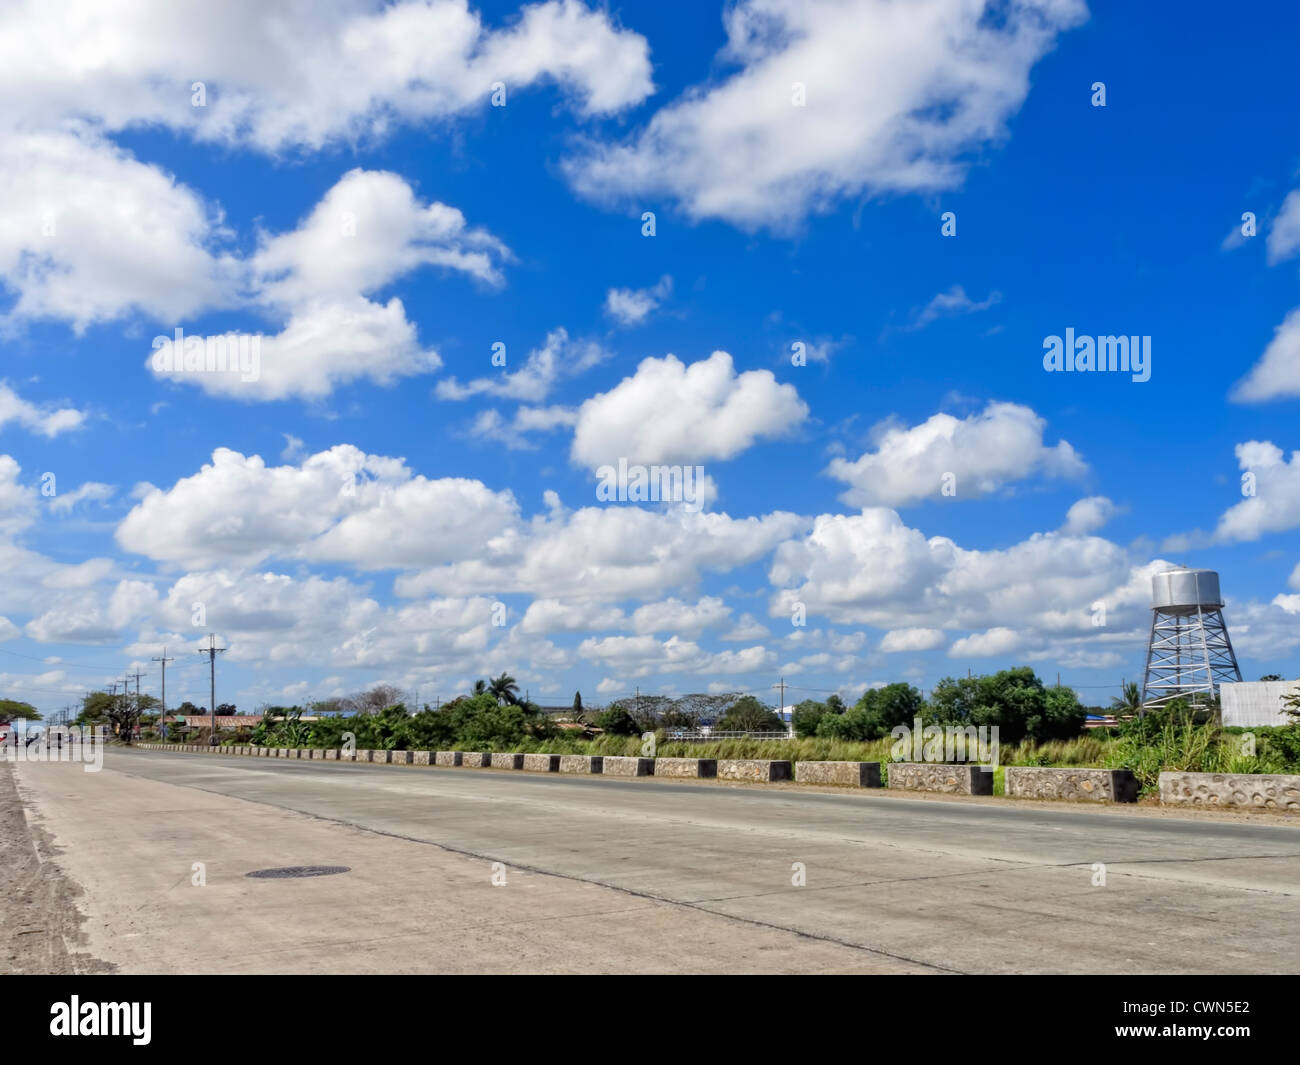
355, 513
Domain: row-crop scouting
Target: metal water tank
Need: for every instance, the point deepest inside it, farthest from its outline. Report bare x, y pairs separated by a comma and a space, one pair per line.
1183, 591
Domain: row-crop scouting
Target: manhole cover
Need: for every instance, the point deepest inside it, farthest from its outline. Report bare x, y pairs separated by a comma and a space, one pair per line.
291, 871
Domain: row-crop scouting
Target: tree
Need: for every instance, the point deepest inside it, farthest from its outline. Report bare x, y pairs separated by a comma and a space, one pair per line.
226, 710
12, 710
1013, 699
1130, 702
617, 721
483, 722
747, 714
480, 687
505, 688
577, 705
373, 700
1271, 676
808, 714
1291, 706
121, 710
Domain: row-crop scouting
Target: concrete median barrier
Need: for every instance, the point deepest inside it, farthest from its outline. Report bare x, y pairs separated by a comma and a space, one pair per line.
686, 768
1072, 785
542, 763
331, 754
399, 757
507, 761
618, 766
581, 763
476, 759
381, 757
422, 758
447, 758
1269, 791
758, 770
842, 774
946, 779
364, 755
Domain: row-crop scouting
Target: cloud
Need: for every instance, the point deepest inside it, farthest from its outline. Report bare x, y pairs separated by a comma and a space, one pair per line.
872, 569
1277, 374
606, 553
346, 71
982, 452
631, 306
673, 615
340, 505
514, 433
368, 230
668, 412
17, 500
1088, 515
89, 234
951, 304
558, 358
1275, 504
66, 501
997, 641
897, 640
41, 419
1283, 239
898, 99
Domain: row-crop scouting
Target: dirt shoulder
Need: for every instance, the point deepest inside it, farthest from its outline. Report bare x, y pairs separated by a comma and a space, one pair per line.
42, 926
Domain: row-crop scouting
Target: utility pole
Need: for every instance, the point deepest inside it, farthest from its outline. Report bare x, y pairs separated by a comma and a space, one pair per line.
164, 660
212, 650
135, 720
780, 710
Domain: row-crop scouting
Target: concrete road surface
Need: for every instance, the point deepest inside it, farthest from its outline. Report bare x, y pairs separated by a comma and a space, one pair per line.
462, 870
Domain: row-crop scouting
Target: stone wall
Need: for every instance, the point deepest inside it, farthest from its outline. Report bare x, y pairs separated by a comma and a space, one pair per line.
581, 763
422, 758
399, 757
845, 774
476, 759
507, 761
542, 763
948, 779
628, 767
447, 758
752, 769
686, 767
1272, 791
1075, 785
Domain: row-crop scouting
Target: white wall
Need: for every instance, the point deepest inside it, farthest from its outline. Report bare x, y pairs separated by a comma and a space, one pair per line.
1255, 702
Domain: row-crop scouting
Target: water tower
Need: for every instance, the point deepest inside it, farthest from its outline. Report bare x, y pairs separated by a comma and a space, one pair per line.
1189, 652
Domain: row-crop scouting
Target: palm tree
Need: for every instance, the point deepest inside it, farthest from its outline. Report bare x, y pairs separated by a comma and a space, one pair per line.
1130, 702
505, 688
480, 687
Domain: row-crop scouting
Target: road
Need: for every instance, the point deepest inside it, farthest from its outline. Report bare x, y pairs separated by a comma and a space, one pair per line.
607, 875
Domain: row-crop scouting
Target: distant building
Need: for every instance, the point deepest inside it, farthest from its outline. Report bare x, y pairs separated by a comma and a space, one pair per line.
1255, 702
